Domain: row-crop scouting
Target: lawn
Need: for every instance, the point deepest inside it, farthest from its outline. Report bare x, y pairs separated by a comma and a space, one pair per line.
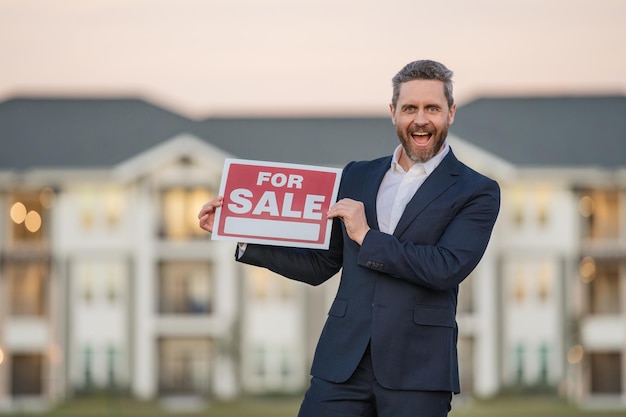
530, 406
288, 407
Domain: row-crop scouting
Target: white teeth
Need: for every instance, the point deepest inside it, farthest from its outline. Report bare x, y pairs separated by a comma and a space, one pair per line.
421, 133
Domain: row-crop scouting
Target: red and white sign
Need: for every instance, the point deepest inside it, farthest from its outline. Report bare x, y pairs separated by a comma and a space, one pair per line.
275, 203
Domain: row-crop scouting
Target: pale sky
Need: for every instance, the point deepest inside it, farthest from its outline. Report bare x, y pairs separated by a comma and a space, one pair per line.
330, 57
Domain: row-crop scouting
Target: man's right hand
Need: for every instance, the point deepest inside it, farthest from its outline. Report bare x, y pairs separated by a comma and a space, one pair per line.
207, 213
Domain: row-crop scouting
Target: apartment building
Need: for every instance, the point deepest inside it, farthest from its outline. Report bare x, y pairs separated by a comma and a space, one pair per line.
560, 241
107, 283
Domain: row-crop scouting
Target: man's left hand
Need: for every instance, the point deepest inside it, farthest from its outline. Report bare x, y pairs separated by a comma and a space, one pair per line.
352, 213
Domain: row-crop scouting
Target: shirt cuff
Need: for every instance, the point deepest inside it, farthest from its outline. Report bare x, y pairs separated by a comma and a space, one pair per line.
241, 248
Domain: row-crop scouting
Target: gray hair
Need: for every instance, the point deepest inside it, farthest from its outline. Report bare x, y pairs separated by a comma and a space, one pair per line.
423, 70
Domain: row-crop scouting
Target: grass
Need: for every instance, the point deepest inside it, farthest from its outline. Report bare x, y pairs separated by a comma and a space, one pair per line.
529, 406
288, 407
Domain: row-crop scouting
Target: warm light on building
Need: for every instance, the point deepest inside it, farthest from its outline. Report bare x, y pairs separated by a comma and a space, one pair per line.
575, 354
18, 213
32, 221
114, 204
587, 269
586, 206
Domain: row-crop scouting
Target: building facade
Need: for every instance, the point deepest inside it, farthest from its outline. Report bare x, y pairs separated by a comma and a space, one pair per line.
107, 283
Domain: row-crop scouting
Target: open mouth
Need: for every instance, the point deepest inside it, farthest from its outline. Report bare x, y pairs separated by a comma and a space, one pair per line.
421, 139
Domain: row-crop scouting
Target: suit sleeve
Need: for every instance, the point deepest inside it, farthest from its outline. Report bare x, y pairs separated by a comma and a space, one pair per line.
447, 262
312, 266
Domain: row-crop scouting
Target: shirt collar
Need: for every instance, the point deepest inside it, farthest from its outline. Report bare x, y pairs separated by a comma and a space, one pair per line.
428, 166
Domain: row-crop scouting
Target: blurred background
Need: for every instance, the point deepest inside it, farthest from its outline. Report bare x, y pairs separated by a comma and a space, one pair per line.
115, 120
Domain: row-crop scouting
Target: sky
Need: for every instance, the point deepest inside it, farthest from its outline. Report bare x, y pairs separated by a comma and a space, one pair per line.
305, 57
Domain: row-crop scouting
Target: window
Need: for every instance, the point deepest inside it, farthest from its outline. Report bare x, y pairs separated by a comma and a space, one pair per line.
542, 205
517, 206
520, 359
531, 281
100, 279
606, 373
604, 288
601, 210
180, 207
28, 283
544, 362
184, 365
114, 284
185, 288
273, 366
520, 284
28, 212
88, 368
287, 359
26, 374
545, 276
268, 287
87, 285
260, 358
112, 364
529, 206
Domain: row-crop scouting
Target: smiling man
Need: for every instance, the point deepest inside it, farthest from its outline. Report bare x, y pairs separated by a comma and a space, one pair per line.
408, 229
422, 113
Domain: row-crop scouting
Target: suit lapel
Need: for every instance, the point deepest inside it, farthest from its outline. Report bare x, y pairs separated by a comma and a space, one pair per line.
437, 182
371, 184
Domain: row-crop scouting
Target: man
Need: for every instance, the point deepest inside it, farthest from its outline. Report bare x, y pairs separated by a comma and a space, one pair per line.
407, 229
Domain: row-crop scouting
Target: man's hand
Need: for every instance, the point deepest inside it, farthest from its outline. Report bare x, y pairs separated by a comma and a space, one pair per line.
207, 213
352, 213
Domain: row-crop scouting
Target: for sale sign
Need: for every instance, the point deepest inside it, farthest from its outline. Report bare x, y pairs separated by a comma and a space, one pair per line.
276, 203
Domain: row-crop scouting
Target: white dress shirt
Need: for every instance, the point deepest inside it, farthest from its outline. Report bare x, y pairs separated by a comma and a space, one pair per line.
399, 186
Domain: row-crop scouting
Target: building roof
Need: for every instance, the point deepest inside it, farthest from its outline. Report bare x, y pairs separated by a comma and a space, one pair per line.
585, 131
100, 133
315, 141
80, 133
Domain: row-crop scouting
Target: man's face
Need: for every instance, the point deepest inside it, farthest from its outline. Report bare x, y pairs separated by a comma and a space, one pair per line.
421, 118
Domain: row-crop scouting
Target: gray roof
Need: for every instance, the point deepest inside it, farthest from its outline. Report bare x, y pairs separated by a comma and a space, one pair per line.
585, 131
315, 141
82, 133
99, 133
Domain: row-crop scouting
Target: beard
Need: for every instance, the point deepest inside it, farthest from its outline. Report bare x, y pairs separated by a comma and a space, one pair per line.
421, 155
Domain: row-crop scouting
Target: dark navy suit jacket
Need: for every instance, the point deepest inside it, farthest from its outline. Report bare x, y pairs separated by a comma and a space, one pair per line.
398, 291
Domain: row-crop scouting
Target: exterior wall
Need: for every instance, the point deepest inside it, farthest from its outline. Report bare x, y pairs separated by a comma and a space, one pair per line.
598, 359
93, 245
273, 333
481, 326
533, 318
30, 351
104, 326
539, 238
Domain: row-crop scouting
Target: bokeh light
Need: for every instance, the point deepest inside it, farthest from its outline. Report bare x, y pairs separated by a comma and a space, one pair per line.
587, 269
18, 212
33, 221
586, 206
575, 354
47, 197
